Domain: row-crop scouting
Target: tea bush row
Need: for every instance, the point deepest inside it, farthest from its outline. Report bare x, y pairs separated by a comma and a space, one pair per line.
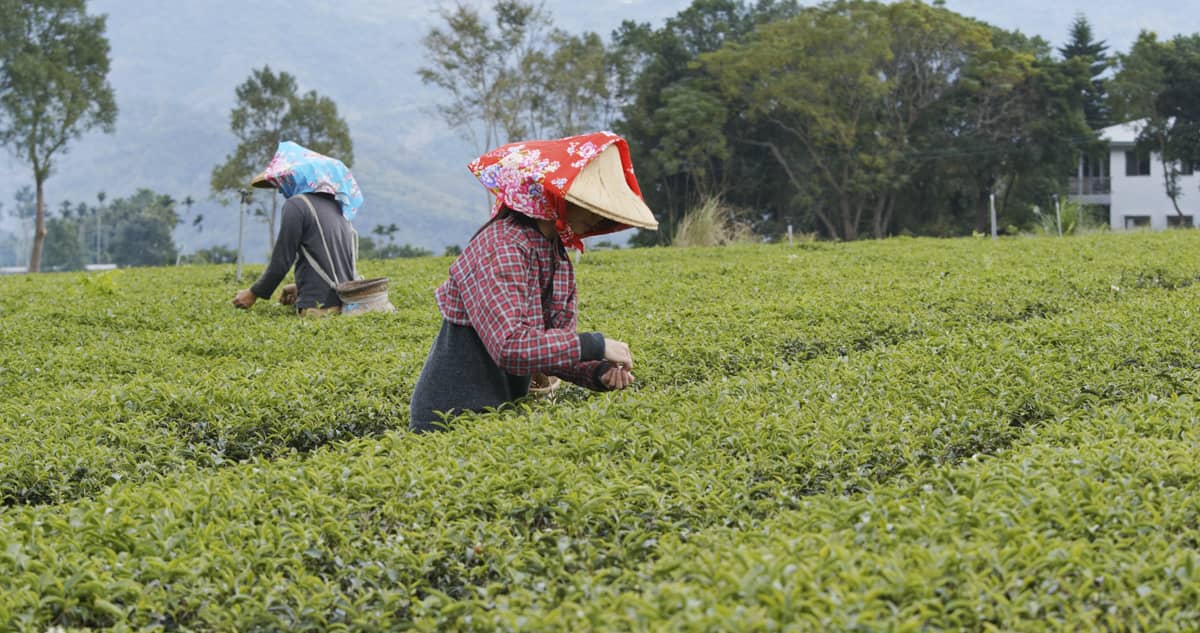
550, 516
129, 375
1099, 533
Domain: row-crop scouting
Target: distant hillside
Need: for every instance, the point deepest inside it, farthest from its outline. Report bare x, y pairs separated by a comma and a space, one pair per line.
175, 66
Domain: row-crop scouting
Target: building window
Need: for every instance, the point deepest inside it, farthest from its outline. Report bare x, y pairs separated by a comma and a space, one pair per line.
1095, 166
1137, 221
1137, 163
1176, 222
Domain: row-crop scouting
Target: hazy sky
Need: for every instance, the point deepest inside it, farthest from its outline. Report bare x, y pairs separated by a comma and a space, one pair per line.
377, 44
1114, 21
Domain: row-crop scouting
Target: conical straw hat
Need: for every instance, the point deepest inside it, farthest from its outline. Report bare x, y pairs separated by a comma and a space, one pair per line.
261, 181
602, 189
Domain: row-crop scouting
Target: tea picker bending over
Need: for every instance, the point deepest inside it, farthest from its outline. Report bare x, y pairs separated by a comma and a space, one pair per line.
315, 233
508, 307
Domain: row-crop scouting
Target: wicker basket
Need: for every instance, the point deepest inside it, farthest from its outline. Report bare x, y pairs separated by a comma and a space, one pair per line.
543, 386
365, 295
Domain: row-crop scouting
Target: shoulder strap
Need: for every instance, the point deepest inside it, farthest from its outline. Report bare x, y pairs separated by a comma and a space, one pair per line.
312, 261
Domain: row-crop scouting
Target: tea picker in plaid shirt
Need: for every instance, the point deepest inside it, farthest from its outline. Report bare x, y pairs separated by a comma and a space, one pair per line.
508, 306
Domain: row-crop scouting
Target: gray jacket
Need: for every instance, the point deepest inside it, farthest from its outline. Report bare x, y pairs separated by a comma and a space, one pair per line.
297, 228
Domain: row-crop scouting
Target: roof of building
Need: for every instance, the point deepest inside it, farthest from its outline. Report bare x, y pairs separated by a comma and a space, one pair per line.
1123, 133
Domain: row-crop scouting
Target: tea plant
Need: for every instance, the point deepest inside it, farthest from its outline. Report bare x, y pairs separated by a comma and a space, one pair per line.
896, 435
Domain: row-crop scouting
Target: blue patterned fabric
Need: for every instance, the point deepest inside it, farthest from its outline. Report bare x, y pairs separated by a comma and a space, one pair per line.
296, 169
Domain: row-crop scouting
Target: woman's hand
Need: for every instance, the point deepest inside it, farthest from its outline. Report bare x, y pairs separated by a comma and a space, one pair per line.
618, 354
288, 295
244, 299
617, 378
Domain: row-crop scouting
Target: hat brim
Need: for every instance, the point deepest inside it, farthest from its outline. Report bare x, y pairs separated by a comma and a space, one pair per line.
602, 189
262, 182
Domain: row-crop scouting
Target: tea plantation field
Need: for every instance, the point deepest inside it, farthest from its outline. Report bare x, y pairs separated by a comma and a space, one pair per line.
898, 435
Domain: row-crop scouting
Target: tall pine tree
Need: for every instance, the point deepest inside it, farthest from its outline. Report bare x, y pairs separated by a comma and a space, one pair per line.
1095, 104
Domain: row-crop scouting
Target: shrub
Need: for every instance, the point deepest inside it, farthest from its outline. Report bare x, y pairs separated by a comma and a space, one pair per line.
712, 224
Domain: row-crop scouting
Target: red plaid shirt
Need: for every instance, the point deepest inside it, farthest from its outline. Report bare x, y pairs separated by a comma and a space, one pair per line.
516, 288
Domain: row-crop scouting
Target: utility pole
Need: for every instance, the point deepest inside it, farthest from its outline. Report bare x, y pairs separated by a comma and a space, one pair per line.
100, 227
244, 194
1057, 215
992, 210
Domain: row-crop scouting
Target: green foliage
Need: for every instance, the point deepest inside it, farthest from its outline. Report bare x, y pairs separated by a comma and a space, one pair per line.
518, 78
949, 434
368, 249
54, 62
270, 110
219, 254
692, 134
879, 118
1083, 46
1158, 82
64, 249
15, 247
577, 92
141, 226
685, 144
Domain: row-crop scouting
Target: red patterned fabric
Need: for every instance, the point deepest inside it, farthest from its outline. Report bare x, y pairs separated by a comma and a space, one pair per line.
516, 288
532, 177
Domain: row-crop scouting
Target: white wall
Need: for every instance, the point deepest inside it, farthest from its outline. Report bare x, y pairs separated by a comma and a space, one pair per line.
1146, 195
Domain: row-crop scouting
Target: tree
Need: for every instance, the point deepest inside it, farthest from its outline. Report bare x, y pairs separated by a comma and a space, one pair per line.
64, 249
875, 112
219, 254
24, 211
100, 252
141, 226
1014, 127
269, 111
368, 249
817, 80
577, 95
1082, 46
931, 51
666, 94
691, 127
518, 76
198, 219
54, 62
389, 231
493, 95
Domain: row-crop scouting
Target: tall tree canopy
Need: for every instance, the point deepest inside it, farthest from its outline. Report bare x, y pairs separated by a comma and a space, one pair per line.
141, 229
1082, 45
516, 76
861, 102
54, 62
485, 69
684, 133
270, 109
64, 245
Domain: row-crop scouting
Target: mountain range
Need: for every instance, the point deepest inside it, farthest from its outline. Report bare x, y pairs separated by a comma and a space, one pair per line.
174, 69
175, 66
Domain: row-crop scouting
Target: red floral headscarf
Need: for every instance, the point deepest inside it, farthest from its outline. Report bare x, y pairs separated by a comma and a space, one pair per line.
532, 178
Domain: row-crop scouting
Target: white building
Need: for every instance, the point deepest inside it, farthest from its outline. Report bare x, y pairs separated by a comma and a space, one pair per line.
1130, 184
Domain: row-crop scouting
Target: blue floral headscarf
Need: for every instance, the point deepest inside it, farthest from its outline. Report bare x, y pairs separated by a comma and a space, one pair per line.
296, 169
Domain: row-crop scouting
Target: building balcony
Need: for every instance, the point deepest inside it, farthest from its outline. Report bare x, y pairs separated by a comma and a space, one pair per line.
1089, 186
